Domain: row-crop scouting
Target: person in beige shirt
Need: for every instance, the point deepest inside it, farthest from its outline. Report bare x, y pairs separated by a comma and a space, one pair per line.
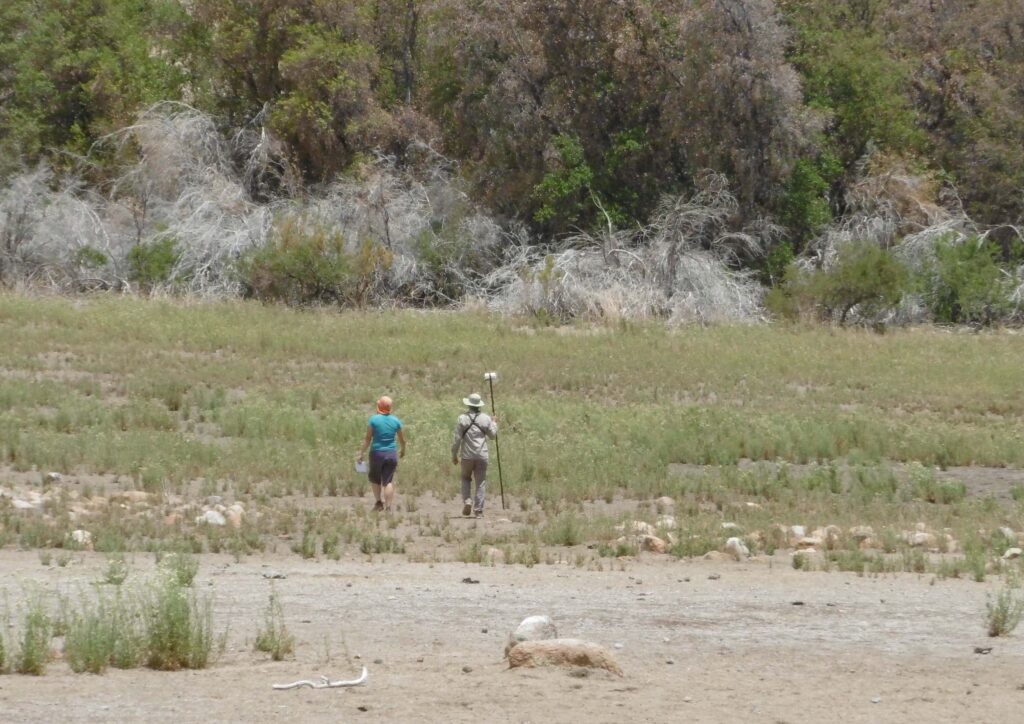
469, 447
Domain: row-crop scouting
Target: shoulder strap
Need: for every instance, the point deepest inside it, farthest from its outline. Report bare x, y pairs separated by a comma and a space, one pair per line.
472, 424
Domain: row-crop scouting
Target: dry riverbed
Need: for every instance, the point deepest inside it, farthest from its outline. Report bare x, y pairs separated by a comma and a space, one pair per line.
698, 641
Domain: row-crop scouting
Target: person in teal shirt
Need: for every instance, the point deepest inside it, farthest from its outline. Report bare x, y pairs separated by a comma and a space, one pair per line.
386, 442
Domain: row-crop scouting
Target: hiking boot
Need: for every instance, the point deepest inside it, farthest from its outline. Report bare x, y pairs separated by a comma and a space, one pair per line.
378, 506
478, 514
467, 508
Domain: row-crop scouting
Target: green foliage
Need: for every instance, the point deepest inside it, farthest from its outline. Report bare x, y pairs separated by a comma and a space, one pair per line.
864, 276
90, 258
805, 206
34, 640
274, 638
178, 627
563, 191
966, 285
151, 264
77, 70
182, 566
1004, 613
117, 570
306, 264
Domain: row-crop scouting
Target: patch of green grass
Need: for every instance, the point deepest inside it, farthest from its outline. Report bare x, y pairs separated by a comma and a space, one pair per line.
177, 626
274, 638
1003, 613
34, 639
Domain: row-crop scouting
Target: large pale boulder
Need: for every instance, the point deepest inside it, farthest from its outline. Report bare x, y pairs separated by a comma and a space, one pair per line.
211, 517
532, 628
737, 549
653, 543
563, 652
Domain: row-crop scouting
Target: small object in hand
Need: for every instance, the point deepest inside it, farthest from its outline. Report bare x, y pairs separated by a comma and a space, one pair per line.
362, 466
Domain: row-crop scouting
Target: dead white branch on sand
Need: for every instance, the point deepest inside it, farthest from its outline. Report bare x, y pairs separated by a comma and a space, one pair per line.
325, 683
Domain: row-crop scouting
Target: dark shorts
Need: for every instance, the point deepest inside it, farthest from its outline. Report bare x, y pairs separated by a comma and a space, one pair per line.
382, 466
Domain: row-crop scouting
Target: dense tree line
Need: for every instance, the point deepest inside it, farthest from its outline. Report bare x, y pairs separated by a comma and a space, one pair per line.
562, 115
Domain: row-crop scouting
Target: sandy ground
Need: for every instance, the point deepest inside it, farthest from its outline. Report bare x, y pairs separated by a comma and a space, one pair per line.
700, 641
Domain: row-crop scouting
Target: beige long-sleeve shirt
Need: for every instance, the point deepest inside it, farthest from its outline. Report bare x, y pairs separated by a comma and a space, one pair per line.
469, 441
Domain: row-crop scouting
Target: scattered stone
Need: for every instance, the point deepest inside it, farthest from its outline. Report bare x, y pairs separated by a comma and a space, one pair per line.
82, 538
211, 517
1011, 554
563, 652
579, 672
706, 506
876, 700
214, 499
920, 539
617, 645
731, 526
378, 661
1009, 534
714, 576
862, 532
274, 575
20, 504
670, 662
798, 603
687, 699
494, 555
235, 515
637, 527
468, 579
982, 649
666, 521
53, 477
467, 669
737, 548
665, 502
796, 532
653, 543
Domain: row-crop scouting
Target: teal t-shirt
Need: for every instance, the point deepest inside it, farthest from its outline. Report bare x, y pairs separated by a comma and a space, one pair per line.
385, 428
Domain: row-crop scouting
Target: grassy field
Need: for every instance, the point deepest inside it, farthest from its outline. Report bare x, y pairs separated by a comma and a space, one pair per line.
265, 404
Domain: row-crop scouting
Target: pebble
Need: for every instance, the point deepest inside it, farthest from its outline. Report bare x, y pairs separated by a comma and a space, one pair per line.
670, 662
483, 630
378, 661
618, 646
467, 669
714, 577
876, 700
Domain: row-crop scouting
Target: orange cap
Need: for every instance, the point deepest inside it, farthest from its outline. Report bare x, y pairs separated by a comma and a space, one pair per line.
384, 405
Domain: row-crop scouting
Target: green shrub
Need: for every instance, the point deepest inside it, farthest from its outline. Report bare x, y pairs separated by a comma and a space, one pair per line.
305, 263
117, 570
152, 264
183, 566
178, 627
274, 638
1003, 614
864, 276
34, 649
966, 285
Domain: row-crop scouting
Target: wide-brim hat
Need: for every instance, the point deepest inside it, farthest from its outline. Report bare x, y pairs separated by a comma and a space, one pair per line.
473, 400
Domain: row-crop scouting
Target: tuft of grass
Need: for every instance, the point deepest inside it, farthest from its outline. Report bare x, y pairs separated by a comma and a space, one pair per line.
34, 641
45, 556
564, 530
1004, 613
178, 627
273, 638
182, 566
117, 570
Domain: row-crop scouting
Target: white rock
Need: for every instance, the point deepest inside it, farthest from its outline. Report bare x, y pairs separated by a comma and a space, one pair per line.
665, 502
1012, 553
666, 521
53, 477
532, 628
737, 548
797, 532
653, 543
862, 532
211, 517
637, 527
731, 526
22, 504
1008, 533
81, 537
921, 539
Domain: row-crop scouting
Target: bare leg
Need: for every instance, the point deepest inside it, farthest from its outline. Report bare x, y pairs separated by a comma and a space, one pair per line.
376, 493
389, 497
